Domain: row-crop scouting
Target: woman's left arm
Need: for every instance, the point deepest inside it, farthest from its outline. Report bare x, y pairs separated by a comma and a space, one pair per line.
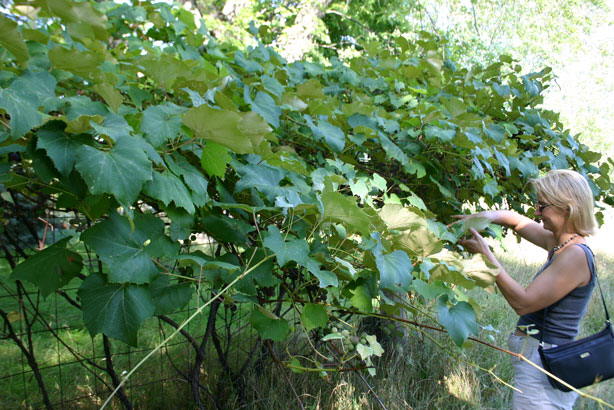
568, 271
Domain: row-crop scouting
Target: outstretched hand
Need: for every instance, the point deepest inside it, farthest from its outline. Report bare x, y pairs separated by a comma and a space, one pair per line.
477, 244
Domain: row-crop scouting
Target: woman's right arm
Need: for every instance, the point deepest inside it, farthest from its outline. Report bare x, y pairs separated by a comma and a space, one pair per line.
523, 226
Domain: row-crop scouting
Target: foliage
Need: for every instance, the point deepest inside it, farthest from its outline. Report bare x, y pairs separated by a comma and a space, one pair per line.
321, 188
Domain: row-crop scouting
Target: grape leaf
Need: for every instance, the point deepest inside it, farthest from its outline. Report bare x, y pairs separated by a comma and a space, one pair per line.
23, 98
215, 159
11, 39
167, 297
60, 147
120, 172
276, 330
343, 209
459, 320
161, 123
168, 188
117, 310
129, 252
314, 316
264, 105
51, 268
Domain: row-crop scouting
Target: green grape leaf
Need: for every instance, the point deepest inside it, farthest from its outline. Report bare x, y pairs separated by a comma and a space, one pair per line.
263, 274
116, 310
459, 320
168, 188
215, 159
51, 268
361, 299
110, 95
82, 63
225, 229
167, 297
478, 223
161, 123
242, 133
268, 327
83, 16
429, 290
60, 147
314, 316
441, 134
192, 177
343, 209
23, 98
114, 126
272, 85
181, 223
294, 250
11, 39
129, 252
372, 348
120, 172
264, 105
332, 135
262, 177
297, 250
394, 268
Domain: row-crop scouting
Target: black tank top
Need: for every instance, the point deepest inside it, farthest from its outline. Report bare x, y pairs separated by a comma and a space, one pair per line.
563, 317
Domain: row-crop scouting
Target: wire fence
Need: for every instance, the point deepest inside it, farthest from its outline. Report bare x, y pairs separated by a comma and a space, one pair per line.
73, 365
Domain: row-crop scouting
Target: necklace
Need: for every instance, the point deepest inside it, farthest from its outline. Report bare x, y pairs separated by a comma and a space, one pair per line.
557, 247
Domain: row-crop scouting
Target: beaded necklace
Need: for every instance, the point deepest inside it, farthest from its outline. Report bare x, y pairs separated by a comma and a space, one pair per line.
557, 247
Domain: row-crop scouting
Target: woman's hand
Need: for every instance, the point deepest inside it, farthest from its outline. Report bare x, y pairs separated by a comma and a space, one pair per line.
489, 215
477, 244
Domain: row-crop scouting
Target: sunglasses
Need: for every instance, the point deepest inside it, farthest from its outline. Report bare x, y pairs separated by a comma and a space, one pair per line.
540, 206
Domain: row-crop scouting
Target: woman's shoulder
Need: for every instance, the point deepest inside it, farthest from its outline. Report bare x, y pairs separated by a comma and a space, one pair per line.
579, 257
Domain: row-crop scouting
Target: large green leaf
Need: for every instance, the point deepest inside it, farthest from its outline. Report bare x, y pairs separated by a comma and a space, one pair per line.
117, 310
122, 171
293, 250
168, 188
23, 99
81, 17
262, 177
167, 297
264, 105
161, 123
332, 135
242, 133
297, 250
215, 159
114, 126
11, 39
268, 326
343, 209
60, 147
314, 316
82, 63
51, 268
130, 252
394, 268
225, 229
459, 320
192, 177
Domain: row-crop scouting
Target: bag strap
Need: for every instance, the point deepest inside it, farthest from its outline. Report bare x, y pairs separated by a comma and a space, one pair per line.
593, 269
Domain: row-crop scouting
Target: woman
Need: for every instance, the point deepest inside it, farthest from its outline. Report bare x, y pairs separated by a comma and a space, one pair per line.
563, 285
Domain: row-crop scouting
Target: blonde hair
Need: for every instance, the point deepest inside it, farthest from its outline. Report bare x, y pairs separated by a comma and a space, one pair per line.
567, 189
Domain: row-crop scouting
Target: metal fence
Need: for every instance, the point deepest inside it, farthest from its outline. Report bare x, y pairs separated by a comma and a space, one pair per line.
73, 367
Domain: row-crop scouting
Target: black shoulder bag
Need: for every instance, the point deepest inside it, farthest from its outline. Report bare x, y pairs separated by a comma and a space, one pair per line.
584, 361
